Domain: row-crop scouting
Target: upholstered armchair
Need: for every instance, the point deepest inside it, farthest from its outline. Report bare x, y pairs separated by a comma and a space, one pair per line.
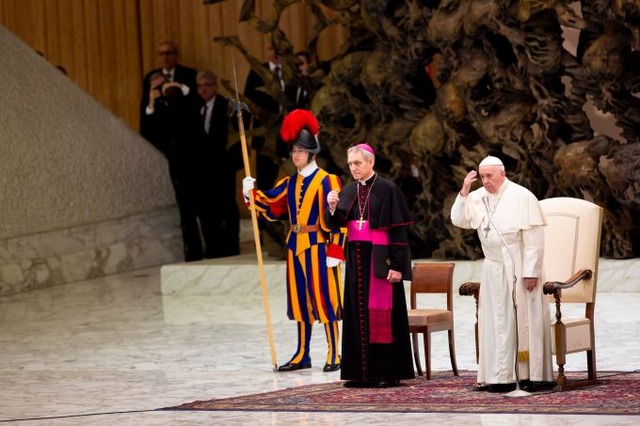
572, 253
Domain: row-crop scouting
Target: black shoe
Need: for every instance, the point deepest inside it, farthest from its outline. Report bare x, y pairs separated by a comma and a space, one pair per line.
356, 384
480, 387
293, 366
502, 387
331, 367
388, 384
527, 385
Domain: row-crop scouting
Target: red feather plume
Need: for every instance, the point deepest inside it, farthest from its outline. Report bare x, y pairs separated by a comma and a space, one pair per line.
295, 121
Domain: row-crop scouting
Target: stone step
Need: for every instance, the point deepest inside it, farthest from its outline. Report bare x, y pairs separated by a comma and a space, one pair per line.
240, 275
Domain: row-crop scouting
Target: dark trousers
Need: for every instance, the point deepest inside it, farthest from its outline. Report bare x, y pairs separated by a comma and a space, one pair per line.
220, 221
187, 201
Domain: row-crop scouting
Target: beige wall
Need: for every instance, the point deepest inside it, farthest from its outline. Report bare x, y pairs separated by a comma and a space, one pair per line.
106, 46
66, 160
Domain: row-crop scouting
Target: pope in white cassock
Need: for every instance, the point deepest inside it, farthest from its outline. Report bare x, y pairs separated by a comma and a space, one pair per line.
516, 213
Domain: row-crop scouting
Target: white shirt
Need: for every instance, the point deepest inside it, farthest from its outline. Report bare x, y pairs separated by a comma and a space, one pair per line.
272, 68
170, 74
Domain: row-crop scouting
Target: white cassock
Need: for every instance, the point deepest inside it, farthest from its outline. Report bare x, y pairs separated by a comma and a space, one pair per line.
517, 215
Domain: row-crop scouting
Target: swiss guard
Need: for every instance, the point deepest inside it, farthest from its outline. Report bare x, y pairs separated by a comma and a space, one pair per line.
314, 250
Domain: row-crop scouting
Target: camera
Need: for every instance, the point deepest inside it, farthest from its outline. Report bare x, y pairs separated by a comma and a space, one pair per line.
173, 93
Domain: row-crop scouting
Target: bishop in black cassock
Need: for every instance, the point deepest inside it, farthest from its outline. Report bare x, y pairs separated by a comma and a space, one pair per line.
376, 349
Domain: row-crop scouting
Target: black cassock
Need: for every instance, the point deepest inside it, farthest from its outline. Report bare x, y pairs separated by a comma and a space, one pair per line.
386, 209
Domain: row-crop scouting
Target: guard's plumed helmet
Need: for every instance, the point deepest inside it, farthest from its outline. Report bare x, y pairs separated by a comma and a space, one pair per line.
300, 127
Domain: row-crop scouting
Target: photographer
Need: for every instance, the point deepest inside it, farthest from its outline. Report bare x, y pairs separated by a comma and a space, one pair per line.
152, 126
171, 69
171, 122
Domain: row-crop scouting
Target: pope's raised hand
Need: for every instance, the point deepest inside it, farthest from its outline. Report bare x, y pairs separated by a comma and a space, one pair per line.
471, 177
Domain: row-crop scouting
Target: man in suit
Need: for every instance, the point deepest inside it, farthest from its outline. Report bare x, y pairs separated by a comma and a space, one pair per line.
266, 167
171, 121
171, 69
220, 218
299, 94
270, 150
254, 81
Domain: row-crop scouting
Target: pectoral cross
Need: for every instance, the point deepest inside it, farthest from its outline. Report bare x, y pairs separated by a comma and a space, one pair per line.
487, 229
360, 222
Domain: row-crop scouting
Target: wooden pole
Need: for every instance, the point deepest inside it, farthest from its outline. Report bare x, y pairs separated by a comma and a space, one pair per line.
254, 222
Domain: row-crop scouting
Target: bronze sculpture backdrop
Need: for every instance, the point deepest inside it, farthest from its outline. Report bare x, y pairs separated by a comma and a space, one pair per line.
504, 84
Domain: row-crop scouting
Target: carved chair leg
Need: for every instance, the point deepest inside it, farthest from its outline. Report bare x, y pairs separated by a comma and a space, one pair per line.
416, 352
561, 381
561, 355
452, 352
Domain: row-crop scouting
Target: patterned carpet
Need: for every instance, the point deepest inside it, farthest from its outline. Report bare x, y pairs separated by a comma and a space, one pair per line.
616, 393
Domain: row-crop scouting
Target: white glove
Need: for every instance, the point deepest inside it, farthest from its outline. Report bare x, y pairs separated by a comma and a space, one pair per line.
332, 262
248, 184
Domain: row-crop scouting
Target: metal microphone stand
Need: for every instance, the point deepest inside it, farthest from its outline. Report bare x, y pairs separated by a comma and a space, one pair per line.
517, 392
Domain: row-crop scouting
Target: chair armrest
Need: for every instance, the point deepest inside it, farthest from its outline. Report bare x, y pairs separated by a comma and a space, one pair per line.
556, 287
552, 287
469, 289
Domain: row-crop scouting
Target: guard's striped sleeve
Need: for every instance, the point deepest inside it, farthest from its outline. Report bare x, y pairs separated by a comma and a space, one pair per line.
272, 204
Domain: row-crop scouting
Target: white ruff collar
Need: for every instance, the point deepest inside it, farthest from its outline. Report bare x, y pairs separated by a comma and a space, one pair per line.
308, 169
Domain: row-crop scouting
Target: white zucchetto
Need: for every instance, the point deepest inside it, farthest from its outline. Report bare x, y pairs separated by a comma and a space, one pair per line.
491, 161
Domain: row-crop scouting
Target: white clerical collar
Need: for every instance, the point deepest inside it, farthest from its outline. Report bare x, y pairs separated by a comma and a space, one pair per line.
308, 169
363, 182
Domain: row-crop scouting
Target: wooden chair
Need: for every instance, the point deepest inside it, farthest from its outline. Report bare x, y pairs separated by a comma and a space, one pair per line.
431, 278
571, 258
572, 253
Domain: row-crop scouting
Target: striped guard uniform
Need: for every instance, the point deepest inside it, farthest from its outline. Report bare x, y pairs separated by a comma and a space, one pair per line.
314, 291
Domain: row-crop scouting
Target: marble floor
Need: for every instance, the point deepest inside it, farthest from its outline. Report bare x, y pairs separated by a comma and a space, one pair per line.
111, 351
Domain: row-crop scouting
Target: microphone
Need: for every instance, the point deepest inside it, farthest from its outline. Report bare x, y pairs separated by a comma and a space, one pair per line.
517, 392
485, 201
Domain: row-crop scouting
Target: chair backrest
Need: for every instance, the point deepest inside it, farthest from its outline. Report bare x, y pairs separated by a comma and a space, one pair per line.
572, 243
432, 278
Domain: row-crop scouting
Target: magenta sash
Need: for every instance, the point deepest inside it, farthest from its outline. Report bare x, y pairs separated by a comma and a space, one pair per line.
380, 290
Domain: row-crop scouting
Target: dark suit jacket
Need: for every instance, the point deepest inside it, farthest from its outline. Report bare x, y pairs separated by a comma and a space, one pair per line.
174, 128
299, 96
266, 169
262, 99
184, 75
215, 144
